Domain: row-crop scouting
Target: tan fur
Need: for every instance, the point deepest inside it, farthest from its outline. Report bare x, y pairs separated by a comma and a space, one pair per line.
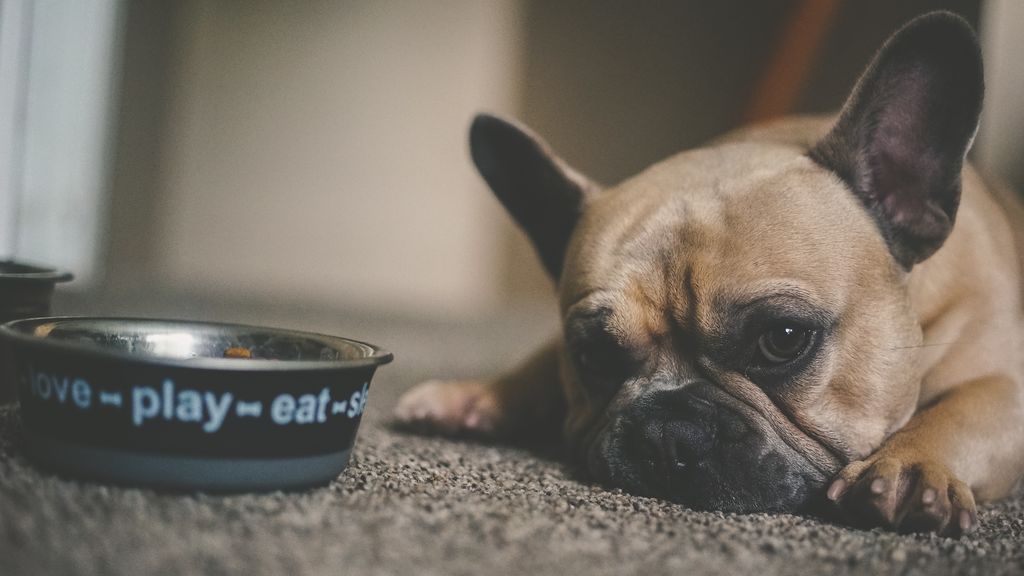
926, 372
723, 265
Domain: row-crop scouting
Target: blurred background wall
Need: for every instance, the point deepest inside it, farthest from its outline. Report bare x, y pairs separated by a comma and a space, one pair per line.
311, 150
314, 151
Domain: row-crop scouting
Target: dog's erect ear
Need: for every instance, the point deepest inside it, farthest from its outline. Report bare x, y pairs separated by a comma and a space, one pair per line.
542, 193
901, 138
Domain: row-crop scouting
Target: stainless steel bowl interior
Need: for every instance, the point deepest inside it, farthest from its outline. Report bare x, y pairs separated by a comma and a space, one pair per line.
185, 341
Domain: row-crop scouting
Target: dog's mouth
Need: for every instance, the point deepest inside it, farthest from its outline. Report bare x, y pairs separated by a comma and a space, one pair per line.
701, 450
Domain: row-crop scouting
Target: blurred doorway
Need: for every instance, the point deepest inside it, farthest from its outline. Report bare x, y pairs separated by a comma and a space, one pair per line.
58, 71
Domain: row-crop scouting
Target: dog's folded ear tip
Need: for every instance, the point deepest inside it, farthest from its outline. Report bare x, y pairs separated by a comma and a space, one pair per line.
496, 141
483, 121
490, 139
485, 126
944, 16
942, 21
941, 36
940, 15
941, 26
486, 116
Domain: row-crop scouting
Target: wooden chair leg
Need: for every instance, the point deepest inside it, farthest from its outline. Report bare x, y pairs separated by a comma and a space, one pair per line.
788, 67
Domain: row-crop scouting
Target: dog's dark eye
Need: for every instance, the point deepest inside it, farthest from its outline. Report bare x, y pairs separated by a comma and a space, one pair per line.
782, 344
600, 356
602, 363
586, 360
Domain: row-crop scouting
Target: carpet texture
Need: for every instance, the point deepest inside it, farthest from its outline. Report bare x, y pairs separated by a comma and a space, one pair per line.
413, 505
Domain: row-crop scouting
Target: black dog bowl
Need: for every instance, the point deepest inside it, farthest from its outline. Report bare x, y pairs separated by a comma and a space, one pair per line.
25, 292
189, 405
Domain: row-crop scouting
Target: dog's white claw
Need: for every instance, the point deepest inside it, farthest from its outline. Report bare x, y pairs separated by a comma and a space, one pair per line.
965, 521
836, 490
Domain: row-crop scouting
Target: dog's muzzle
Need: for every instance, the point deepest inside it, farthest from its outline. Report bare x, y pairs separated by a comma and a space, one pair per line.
698, 446
674, 437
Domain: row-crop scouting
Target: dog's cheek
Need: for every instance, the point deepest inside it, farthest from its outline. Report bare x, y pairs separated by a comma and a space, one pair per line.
874, 386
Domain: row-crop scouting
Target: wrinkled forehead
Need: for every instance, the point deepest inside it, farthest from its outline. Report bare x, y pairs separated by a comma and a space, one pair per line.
681, 248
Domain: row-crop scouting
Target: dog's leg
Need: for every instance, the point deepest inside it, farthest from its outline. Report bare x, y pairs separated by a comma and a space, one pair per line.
524, 403
926, 476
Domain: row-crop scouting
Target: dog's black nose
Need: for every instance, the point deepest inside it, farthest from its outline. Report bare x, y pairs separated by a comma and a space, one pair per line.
672, 432
675, 444
686, 442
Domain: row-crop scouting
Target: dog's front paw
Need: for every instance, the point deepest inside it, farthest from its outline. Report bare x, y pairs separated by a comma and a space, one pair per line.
904, 494
449, 407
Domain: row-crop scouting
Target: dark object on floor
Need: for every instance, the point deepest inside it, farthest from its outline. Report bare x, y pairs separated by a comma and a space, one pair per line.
156, 403
25, 292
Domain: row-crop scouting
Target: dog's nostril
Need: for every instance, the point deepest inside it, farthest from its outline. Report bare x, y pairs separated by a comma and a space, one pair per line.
686, 442
646, 443
671, 445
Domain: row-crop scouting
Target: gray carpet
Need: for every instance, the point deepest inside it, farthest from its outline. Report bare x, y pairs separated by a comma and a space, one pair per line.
412, 505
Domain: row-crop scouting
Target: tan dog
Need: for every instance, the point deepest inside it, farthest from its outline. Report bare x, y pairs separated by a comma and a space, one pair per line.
785, 318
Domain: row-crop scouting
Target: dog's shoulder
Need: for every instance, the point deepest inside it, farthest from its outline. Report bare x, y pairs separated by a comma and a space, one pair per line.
1008, 201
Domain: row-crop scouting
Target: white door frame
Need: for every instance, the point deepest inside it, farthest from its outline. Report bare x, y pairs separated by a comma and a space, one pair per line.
1001, 138
15, 22
59, 68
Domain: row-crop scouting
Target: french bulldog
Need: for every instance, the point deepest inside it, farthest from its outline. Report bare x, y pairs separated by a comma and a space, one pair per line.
784, 320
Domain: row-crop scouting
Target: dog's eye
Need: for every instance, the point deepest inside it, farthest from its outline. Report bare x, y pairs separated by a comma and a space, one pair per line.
597, 356
602, 358
783, 343
586, 360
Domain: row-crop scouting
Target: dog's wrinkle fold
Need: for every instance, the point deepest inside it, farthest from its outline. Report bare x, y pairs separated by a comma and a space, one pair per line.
785, 435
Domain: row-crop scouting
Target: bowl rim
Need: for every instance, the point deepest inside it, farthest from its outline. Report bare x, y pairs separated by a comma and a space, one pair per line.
375, 355
39, 273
